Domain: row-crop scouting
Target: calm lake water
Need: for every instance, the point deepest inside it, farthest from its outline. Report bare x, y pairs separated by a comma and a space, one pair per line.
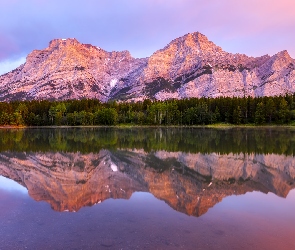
147, 188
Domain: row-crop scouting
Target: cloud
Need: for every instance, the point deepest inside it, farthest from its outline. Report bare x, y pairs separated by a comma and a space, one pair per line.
8, 65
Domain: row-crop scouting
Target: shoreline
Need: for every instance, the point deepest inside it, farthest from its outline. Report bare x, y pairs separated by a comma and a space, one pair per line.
127, 126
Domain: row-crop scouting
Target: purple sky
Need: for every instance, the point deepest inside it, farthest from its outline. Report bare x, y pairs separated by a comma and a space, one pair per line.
253, 27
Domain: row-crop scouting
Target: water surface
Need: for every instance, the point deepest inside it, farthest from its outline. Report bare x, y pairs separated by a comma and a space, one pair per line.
165, 188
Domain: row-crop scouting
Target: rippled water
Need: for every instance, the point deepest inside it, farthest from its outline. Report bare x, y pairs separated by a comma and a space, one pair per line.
164, 188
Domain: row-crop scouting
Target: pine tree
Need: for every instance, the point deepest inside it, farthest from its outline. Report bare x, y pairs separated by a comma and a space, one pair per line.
237, 116
260, 113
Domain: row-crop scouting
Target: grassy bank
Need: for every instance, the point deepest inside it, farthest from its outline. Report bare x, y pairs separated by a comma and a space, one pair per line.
130, 126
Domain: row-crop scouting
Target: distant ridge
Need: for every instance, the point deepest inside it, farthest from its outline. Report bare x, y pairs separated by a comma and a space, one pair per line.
189, 66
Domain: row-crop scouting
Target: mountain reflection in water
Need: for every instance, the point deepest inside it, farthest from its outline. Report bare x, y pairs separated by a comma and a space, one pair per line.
189, 169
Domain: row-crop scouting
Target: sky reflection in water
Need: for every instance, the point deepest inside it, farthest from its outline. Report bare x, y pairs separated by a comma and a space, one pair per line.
12, 186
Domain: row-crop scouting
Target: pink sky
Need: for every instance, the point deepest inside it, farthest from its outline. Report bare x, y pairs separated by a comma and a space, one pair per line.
253, 27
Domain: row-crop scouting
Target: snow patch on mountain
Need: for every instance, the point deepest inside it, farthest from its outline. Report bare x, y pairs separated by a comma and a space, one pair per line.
113, 82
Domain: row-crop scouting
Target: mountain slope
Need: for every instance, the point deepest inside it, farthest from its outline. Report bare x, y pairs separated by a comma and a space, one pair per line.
189, 66
68, 70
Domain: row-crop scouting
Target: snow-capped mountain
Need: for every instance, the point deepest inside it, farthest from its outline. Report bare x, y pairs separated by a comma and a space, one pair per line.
189, 66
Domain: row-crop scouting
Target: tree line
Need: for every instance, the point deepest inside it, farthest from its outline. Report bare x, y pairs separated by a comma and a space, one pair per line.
193, 111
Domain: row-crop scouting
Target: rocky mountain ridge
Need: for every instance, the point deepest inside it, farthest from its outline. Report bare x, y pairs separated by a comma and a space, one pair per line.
189, 66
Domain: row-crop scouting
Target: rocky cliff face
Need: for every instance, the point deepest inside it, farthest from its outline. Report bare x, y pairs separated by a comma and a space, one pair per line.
68, 69
189, 183
189, 66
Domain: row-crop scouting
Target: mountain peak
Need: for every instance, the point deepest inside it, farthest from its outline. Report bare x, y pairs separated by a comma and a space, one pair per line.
283, 55
204, 43
199, 36
196, 40
281, 59
64, 41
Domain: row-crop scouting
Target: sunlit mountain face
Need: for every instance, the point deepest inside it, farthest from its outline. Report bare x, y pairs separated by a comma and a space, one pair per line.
190, 66
190, 169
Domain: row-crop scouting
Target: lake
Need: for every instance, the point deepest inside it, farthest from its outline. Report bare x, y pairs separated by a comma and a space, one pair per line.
147, 188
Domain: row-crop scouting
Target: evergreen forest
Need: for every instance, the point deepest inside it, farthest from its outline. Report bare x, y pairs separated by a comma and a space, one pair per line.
184, 112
